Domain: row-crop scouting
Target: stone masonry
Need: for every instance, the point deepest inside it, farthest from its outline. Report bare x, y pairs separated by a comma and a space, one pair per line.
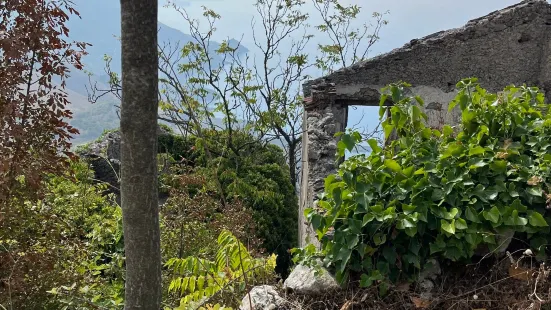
510, 46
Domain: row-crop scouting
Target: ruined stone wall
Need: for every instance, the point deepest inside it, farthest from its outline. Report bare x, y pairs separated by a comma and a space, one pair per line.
510, 46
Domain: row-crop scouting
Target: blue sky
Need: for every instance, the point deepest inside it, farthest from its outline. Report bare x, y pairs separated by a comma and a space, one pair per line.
408, 19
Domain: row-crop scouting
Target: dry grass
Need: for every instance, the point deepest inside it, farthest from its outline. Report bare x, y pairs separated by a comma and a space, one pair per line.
492, 283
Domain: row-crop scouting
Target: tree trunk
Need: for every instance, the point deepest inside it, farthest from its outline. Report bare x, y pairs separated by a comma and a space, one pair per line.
139, 197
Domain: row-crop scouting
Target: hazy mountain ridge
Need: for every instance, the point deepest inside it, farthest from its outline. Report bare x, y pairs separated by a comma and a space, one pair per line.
93, 119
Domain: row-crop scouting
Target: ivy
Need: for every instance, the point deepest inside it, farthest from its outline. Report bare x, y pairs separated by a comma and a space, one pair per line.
437, 192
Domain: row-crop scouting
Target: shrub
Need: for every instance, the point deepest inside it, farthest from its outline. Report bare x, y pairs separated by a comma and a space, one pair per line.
438, 193
254, 175
69, 241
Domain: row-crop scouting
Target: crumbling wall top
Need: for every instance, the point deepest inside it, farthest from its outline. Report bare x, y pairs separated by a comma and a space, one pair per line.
503, 46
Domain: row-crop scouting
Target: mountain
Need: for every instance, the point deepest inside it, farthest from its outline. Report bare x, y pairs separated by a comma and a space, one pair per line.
99, 25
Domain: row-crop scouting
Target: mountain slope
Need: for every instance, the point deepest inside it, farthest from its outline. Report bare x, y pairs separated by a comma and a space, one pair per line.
99, 25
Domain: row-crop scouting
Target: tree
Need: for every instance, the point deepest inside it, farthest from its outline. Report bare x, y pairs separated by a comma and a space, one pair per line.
139, 192
260, 91
35, 56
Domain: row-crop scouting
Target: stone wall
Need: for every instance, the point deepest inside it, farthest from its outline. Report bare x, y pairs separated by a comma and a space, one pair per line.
510, 46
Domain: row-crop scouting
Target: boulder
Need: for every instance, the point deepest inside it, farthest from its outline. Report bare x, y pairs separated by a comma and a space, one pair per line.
309, 281
263, 297
431, 271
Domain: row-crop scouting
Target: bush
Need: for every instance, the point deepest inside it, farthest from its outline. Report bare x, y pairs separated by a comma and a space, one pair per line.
438, 193
254, 175
65, 249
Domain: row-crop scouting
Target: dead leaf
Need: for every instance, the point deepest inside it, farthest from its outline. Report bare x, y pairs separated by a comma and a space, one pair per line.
535, 180
520, 273
420, 302
403, 287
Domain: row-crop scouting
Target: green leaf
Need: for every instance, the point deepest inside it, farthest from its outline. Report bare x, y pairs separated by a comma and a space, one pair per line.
390, 255
316, 220
393, 165
535, 191
374, 145
515, 220
460, 224
348, 141
367, 219
536, 219
471, 215
499, 166
411, 231
388, 128
448, 226
447, 130
355, 226
492, 215
476, 150
365, 280
379, 239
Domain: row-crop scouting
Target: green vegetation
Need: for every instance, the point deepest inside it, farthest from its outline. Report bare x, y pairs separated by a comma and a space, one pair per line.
438, 194
256, 176
69, 241
222, 280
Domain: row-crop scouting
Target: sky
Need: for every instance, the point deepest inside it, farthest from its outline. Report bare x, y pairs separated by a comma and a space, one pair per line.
407, 20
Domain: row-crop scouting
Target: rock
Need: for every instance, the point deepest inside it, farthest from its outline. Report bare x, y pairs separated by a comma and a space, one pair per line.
304, 280
104, 157
430, 272
426, 287
503, 240
114, 145
263, 297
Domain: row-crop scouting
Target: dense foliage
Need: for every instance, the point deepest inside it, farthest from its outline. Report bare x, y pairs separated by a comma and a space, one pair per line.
69, 241
255, 176
438, 194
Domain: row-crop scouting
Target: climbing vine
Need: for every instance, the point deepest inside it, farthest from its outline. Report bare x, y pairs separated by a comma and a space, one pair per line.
438, 193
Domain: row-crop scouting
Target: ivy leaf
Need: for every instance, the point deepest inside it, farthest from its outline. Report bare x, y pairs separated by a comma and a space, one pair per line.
355, 226
411, 231
478, 163
460, 224
515, 220
379, 239
492, 215
365, 281
471, 215
534, 191
447, 226
352, 241
367, 218
499, 166
408, 209
536, 219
